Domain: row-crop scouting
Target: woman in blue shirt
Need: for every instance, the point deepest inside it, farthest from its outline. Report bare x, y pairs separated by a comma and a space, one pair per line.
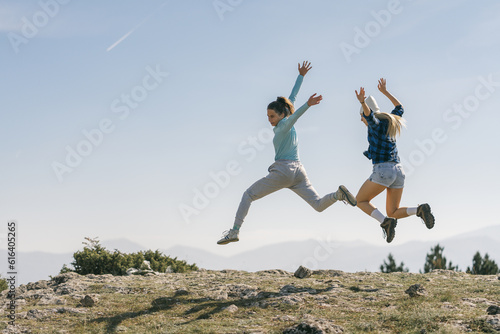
387, 171
286, 171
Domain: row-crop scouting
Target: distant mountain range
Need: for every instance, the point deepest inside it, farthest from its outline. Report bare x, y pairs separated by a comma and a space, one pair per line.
346, 256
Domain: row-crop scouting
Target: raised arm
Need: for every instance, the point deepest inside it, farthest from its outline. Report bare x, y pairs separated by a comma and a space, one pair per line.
370, 118
313, 100
306, 66
383, 89
361, 99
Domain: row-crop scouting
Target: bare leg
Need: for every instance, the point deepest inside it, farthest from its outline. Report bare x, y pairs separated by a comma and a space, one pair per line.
392, 203
368, 191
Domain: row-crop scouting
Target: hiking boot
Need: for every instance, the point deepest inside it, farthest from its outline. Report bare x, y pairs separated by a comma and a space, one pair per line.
342, 194
424, 212
389, 228
229, 236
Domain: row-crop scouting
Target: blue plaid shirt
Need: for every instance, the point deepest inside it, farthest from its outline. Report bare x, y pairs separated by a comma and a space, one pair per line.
382, 148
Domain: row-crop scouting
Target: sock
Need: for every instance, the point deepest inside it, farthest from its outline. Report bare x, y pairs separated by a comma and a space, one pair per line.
378, 215
411, 211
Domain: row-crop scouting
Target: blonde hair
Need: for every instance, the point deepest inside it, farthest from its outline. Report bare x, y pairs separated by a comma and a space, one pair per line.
395, 123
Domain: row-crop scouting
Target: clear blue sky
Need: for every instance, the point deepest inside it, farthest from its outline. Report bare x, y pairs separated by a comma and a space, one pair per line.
172, 91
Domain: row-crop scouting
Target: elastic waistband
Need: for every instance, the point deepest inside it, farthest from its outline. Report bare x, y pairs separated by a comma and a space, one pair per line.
392, 163
285, 161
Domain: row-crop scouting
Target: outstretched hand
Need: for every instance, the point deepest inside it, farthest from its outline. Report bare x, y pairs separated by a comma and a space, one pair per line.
382, 85
360, 95
306, 66
314, 100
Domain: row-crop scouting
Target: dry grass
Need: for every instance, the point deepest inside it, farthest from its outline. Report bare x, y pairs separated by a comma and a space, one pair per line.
195, 303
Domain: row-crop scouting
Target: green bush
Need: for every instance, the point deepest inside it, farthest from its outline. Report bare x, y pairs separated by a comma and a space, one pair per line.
96, 259
3, 284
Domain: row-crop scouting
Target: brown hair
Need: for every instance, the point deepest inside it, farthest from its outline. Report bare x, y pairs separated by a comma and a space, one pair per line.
281, 106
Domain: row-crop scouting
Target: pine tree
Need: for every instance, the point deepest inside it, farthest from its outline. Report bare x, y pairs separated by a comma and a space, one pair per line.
436, 260
390, 266
482, 266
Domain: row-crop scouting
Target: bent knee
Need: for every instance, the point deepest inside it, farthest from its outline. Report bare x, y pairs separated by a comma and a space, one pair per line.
361, 199
249, 196
391, 212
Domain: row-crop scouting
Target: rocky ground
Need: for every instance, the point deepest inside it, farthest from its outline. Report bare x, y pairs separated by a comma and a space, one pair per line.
271, 301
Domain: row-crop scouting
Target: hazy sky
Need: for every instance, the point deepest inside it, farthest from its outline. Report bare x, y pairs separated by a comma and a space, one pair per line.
146, 120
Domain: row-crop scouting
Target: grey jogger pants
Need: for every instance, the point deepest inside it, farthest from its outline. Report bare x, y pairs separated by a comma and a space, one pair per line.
283, 174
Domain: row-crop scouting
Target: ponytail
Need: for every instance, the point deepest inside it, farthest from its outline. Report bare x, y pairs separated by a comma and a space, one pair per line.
281, 106
396, 123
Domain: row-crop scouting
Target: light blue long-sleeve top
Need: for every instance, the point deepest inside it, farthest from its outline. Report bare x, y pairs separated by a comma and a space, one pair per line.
286, 144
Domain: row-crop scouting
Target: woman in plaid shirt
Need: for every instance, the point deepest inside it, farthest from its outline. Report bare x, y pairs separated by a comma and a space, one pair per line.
387, 171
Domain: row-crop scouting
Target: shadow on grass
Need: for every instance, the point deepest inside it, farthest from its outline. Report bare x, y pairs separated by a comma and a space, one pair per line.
207, 306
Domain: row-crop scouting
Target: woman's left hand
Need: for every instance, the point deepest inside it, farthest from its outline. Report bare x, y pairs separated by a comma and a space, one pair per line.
306, 66
382, 85
314, 100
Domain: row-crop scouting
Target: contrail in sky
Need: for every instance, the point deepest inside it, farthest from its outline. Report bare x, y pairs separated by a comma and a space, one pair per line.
124, 37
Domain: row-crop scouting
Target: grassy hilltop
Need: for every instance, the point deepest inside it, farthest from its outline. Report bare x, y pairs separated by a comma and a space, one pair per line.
272, 301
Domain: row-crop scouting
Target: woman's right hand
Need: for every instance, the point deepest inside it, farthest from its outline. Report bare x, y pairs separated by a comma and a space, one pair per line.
314, 100
360, 95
